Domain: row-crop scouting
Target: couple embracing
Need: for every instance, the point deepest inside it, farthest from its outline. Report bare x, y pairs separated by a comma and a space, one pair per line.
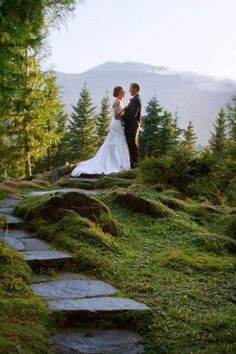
120, 150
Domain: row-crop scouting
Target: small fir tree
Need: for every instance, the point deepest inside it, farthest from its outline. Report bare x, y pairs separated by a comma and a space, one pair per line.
104, 119
218, 139
82, 133
188, 144
151, 124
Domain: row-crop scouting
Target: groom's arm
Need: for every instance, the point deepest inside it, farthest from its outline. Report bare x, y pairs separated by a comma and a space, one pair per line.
132, 109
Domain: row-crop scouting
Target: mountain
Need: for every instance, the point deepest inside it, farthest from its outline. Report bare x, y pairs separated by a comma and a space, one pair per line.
194, 96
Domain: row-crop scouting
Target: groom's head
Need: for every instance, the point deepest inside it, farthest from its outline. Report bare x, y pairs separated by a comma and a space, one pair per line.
134, 89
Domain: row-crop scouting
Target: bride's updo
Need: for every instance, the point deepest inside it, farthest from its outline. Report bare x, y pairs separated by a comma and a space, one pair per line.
117, 90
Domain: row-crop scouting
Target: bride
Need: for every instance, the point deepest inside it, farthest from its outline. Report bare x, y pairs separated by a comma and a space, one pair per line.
113, 155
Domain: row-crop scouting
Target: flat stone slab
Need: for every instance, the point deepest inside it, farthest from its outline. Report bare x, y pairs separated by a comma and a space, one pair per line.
16, 234
7, 210
10, 202
47, 258
28, 244
35, 244
84, 179
72, 289
12, 220
59, 275
66, 190
14, 243
98, 342
98, 305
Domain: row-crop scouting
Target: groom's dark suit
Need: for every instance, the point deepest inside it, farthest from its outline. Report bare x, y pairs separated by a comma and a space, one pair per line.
131, 119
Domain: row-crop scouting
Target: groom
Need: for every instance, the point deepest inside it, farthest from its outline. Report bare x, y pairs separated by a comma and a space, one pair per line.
131, 118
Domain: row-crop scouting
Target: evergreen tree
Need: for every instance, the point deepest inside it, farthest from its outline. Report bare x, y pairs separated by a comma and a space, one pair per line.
218, 138
82, 132
169, 134
151, 124
104, 119
23, 27
35, 128
231, 125
231, 119
57, 152
188, 144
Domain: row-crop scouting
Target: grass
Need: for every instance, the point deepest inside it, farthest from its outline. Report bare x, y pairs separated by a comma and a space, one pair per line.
178, 264
24, 318
10, 187
101, 183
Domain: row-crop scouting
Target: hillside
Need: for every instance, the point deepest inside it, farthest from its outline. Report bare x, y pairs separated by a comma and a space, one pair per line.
174, 255
196, 97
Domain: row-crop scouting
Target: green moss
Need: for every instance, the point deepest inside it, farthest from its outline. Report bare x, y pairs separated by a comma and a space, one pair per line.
230, 226
100, 183
3, 220
11, 187
54, 207
187, 260
178, 264
5, 191
129, 174
24, 317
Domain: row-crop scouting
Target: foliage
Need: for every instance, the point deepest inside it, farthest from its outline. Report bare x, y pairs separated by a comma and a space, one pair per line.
24, 89
151, 123
178, 265
82, 130
103, 120
218, 140
24, 317
188, 144
160, 131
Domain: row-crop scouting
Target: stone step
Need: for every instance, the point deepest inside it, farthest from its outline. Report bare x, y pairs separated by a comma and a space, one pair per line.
95, 307
73, 289
48, 259
66, 190
12, 220
97, 342
10, 202
84, 179
7, 210
16, 234
58, 275
27, 244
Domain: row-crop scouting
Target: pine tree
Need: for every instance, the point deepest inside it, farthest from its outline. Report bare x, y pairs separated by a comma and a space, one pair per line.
188, 144
231, 118
104, 119
82, 132
231, 127
35, 128
169, 134
23, 28
151, 124
217, 141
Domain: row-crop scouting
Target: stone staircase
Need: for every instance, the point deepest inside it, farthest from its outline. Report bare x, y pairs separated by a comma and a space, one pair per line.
72, 297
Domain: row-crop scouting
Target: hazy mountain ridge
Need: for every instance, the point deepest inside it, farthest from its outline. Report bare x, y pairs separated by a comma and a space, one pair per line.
194, 96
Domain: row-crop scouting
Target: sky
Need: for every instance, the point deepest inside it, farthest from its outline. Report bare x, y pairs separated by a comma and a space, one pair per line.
195, 35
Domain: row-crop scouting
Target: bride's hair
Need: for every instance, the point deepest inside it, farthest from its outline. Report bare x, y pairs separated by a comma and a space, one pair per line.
117, 90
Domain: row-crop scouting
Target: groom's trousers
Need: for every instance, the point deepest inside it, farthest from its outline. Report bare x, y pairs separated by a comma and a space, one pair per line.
131, 133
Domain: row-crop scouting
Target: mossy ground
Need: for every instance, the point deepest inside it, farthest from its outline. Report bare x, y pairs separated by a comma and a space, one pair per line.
179, 265
24, 318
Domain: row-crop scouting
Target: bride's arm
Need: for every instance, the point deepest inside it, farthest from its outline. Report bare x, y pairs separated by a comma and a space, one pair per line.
118, 110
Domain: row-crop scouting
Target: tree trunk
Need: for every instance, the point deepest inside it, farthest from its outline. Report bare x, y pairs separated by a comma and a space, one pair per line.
28, 172
5, 174
48, 159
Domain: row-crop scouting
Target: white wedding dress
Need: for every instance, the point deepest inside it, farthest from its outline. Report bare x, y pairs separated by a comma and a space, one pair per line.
113, 155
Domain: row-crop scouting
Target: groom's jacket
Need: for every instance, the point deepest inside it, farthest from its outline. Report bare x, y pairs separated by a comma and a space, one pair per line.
132, 114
